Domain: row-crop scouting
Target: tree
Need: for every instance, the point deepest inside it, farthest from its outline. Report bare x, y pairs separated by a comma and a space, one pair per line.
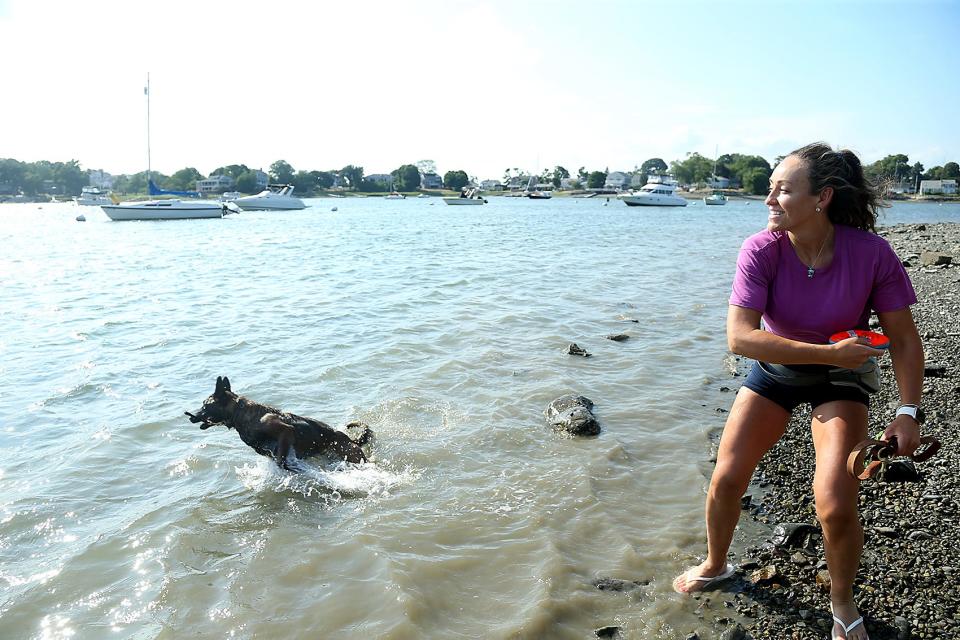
324, 178
893, 167
304, 182
583, 174
934, 173
653, 165
353, 176
915, 172
950, 170
596, 179
247, 182
407, 177
426, 166
281, 171
559, 173
755, 181
455, 180
694, 169
184, 180
232, 170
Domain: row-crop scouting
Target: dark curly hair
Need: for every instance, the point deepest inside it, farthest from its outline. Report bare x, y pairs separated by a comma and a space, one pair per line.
856, 199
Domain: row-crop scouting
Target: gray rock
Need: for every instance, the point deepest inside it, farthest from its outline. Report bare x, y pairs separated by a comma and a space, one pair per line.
576, 350
935, 258
617, 337
573, 414
608, 632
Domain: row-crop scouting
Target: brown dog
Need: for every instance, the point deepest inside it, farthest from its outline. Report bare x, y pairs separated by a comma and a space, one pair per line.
274, 433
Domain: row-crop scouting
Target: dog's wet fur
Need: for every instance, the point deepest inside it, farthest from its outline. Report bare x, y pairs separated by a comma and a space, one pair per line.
275, 433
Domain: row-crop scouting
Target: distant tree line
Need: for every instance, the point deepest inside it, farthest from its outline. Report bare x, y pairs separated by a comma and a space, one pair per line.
750, 172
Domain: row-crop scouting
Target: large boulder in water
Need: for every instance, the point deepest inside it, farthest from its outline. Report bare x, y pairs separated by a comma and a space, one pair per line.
573, 414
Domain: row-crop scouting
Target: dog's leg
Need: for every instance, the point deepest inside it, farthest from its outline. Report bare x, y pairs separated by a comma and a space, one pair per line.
284, 434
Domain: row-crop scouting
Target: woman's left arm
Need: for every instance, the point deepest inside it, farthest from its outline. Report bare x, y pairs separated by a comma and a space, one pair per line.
906, 351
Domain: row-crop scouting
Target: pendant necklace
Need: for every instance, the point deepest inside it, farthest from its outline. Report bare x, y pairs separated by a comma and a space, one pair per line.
810, 268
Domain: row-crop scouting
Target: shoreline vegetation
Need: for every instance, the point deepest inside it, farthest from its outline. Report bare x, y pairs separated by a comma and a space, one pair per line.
911, 520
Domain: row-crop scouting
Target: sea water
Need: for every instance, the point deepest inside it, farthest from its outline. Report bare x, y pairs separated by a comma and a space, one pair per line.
443, 328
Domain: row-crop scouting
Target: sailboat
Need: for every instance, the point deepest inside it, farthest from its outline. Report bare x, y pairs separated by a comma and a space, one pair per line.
162, 209
717, 197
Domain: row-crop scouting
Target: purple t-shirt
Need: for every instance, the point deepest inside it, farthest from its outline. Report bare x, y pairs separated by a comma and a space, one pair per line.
864, 274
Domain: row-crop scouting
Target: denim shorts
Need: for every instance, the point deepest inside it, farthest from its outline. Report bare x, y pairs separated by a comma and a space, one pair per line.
791, 396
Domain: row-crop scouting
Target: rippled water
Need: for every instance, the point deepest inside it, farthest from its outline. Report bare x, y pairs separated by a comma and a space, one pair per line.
444, 329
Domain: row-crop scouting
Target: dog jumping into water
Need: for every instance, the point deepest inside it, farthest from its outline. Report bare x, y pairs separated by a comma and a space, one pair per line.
275, 433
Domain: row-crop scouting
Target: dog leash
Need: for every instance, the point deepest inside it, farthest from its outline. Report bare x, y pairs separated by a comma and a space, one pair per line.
870, 457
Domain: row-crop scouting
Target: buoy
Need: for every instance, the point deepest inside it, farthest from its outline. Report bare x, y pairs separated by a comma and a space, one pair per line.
334, 209
874, 339
81, 218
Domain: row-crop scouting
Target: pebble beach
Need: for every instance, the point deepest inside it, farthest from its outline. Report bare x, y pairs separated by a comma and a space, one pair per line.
911, 557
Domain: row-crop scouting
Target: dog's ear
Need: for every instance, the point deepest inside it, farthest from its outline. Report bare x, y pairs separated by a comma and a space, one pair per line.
226, 383
219, 386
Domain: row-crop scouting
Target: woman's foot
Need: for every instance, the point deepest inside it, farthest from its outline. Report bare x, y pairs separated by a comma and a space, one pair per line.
847, 622
700, 577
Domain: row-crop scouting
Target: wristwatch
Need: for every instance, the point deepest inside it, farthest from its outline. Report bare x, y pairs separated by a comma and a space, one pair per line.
912, 410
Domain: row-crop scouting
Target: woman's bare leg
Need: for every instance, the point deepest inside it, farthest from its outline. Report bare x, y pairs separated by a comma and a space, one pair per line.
837, 427
754, 425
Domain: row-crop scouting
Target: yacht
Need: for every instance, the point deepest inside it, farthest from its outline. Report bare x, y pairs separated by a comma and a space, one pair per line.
276, 197
655, 194
93, 197
395, 195
466, 197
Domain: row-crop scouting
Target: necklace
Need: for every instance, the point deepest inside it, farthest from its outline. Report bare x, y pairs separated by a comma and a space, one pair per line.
811, 267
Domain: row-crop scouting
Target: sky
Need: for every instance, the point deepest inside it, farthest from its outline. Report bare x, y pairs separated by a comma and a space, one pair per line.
473, 85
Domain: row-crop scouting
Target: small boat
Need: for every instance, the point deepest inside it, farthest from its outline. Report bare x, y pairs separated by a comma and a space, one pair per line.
654, 194
716, 197
539, 195
466, 197
92, 197
276, 197
166, 210
230, 196
394, 195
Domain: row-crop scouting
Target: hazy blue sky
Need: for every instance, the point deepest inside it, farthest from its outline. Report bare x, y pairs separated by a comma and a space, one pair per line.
479, 86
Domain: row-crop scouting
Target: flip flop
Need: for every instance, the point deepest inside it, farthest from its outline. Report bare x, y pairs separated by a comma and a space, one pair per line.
846, 628
867, 458
727, 572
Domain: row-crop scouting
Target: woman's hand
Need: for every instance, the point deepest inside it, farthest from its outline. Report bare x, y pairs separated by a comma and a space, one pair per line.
907, 432
851, 353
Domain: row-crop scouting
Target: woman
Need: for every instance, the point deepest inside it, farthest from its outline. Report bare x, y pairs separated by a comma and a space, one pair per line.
817, 269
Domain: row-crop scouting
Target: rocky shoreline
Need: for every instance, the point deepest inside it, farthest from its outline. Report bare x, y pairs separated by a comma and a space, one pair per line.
905, 587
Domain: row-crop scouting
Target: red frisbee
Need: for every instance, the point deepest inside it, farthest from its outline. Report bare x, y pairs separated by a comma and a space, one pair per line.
874, 339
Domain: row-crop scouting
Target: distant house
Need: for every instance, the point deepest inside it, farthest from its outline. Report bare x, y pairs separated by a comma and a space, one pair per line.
215, 184
430, 180
100, 179
618, 180
491, 185
937, 187
262, 179
568, 183
380, 178
718, 182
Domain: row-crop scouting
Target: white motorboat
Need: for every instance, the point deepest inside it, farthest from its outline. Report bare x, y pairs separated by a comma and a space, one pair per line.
466, 197
715, 198
93, 197
539, 195
165, 210
276, 197
230, 196
394, 195
654, 194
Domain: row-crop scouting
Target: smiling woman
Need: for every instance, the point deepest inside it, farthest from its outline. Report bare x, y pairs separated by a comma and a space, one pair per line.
818, 268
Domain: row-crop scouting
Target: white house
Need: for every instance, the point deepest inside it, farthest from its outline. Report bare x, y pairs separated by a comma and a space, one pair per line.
491, 185
618, 180
932, 187
100, 179
430, 180
262, 179
215, 184
718, 182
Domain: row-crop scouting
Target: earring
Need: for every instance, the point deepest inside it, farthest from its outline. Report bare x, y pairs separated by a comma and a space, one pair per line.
818, 209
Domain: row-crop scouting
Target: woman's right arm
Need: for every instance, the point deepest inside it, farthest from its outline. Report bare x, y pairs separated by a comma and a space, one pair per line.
746, 338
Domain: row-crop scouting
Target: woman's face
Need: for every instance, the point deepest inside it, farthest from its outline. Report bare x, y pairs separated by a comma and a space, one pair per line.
790, 203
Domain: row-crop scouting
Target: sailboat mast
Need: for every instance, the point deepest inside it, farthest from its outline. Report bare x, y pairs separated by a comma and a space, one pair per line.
146, 91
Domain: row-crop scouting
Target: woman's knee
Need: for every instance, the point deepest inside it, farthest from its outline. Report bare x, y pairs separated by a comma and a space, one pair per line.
837, 514
728, 484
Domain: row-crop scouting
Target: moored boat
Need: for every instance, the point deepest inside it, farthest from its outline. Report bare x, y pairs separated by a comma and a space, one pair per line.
466, 197
165, 210
654, 194
276, 197
92, 197
715, 198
